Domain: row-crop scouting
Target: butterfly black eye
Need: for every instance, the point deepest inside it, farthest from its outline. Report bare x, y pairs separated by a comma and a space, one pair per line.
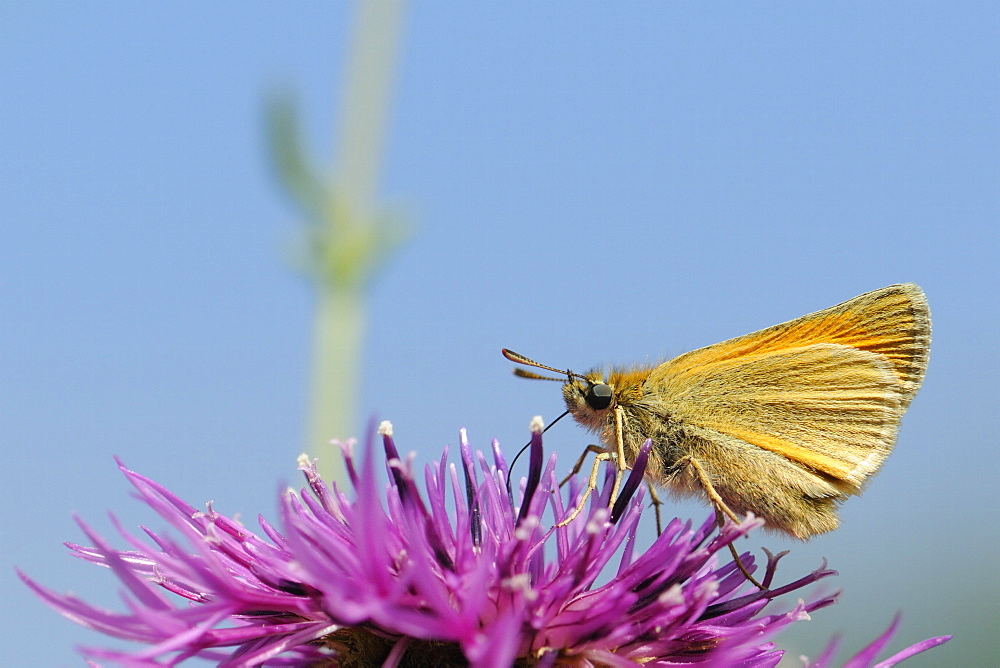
599, 396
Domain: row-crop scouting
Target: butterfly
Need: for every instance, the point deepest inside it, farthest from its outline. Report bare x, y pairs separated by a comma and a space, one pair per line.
785, 423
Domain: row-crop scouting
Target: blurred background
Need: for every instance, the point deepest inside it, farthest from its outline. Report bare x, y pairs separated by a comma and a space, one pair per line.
586, 184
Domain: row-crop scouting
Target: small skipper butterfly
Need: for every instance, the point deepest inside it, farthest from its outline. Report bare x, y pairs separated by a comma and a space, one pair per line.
786, 423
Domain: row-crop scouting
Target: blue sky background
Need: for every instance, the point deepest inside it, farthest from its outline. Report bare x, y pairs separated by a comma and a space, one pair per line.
589, 184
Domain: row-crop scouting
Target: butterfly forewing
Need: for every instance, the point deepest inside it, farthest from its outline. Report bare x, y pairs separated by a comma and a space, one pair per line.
826, 390
893, 322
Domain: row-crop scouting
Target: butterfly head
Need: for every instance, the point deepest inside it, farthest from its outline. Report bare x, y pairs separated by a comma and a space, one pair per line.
588, 398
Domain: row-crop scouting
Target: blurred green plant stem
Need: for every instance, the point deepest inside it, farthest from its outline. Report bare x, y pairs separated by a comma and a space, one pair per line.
346, 239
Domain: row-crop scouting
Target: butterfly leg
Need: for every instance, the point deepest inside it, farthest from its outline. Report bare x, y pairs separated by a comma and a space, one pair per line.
720, 520
596, 449
721, 509
620, 453
656, 503
602, 456
706, 484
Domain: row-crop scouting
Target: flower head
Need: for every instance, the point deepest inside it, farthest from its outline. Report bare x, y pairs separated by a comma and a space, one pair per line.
390, 575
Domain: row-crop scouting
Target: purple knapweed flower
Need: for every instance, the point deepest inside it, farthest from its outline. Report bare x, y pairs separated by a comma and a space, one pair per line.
388, 576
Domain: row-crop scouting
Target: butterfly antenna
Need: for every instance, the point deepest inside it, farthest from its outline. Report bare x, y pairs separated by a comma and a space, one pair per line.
518, 358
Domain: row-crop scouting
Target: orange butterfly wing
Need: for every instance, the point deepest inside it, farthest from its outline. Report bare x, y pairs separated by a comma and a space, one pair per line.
826, 390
